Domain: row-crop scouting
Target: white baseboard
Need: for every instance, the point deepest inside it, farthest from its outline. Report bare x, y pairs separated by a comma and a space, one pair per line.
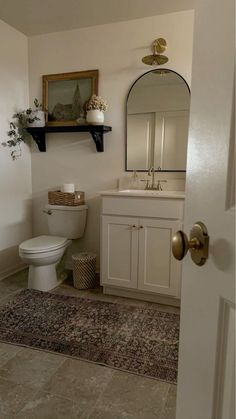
12, 270
139, 295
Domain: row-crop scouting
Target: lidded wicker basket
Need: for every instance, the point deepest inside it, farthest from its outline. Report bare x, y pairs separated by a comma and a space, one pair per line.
66, 198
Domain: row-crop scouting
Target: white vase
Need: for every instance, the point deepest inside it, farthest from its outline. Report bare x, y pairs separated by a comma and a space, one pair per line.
95, 117
40, 122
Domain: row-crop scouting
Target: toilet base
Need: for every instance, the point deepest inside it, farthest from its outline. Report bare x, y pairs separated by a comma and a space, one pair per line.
43, 278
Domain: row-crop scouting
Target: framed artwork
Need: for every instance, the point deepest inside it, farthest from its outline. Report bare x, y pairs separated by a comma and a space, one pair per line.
65, 94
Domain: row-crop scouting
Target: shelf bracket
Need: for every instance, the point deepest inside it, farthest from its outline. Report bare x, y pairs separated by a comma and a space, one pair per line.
98, 139
39, 138
97, 132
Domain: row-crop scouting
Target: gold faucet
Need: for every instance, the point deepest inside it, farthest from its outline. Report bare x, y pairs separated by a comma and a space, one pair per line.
151, 172
153, 185
159, 185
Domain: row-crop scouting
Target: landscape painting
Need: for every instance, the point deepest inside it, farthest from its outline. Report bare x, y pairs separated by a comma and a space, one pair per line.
65, 96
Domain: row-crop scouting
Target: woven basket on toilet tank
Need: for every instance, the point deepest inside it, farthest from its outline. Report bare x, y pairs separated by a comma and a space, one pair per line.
84, 270
66, 198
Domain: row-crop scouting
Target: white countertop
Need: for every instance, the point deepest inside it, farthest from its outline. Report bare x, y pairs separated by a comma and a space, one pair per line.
144, 193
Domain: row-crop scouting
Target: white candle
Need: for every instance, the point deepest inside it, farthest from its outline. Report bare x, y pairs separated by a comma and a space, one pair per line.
68, 187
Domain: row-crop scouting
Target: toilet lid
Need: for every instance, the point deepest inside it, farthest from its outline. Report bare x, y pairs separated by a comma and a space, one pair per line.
42, 244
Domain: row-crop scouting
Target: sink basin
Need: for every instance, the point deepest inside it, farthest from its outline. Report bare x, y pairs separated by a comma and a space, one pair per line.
151, 192
144, 193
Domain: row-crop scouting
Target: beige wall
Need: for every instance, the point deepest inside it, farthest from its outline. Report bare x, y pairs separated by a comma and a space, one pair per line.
15, 179
116, 50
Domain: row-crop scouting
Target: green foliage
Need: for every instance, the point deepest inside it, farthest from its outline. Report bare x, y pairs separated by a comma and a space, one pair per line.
17, 133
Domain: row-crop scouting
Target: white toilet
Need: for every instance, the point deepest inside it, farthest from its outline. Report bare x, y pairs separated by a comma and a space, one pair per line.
43, 253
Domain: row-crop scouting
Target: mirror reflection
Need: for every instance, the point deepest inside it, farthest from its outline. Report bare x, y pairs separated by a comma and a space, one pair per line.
157, 122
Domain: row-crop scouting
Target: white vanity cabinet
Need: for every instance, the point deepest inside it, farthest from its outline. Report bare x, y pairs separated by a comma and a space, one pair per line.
136, 255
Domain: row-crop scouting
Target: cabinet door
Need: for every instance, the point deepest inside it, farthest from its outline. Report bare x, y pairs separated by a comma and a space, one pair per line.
158, 270
119, 258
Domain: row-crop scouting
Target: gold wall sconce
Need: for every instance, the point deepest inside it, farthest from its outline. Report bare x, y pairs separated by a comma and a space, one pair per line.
157, 58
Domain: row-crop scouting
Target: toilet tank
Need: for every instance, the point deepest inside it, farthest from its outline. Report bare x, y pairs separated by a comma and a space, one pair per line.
66, 221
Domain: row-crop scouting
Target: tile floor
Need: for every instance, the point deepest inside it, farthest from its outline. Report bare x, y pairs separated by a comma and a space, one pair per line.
40, 385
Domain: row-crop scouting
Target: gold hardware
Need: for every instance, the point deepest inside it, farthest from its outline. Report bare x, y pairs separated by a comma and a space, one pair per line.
159, 185
198, 244
48, 212
134, 226
147, 183
158, 47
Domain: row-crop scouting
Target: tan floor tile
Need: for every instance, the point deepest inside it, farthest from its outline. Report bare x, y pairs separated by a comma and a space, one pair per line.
31, 367
48, 406
101, 297
5, 291
169, 411
13, 397
80, 381
14, 282
8, 297
165, 308
131, 397
7, 352
132, 302
69, 291
94, 293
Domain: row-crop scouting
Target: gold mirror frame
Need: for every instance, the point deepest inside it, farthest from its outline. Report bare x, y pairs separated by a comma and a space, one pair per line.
77, 75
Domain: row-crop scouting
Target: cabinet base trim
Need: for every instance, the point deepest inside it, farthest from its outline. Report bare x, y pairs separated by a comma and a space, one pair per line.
154, 298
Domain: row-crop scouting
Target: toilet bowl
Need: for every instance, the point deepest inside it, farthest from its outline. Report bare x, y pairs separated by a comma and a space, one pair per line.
43, 253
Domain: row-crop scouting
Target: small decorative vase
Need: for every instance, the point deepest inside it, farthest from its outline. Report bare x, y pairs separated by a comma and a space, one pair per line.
40, 122
95, 117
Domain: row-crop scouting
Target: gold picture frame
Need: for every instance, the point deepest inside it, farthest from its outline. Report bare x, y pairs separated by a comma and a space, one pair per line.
65, 94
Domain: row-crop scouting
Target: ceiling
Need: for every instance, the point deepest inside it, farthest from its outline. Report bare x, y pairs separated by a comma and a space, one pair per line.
33, 17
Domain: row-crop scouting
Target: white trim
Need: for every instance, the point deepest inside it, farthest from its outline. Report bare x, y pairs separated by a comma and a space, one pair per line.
154, 298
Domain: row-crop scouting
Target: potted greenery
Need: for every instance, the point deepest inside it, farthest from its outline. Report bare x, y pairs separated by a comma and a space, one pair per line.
95, 107
17, 133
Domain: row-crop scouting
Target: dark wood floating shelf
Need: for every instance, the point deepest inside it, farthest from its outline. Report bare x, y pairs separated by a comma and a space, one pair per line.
96, 131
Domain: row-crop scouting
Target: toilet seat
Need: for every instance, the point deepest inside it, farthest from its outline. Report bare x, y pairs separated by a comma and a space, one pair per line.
42, 244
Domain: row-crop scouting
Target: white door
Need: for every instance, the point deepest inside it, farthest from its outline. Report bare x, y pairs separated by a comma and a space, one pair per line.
171, 134
140, 131
206, 361
158, 272
119, 251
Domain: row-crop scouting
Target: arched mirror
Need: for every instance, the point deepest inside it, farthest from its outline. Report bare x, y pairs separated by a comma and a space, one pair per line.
157, 122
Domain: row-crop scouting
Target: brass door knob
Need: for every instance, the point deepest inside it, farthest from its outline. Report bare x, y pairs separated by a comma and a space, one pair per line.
198, 244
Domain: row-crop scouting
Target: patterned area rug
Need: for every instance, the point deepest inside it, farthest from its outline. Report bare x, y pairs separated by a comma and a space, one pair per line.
134, 339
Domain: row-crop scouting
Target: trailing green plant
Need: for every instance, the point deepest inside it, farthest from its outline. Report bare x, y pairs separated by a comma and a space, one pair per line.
17, 133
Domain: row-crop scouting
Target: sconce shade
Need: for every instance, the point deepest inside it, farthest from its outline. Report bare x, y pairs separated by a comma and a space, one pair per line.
158, 47
154, 59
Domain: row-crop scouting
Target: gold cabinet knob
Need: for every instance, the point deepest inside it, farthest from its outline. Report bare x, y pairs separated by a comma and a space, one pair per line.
198, 244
